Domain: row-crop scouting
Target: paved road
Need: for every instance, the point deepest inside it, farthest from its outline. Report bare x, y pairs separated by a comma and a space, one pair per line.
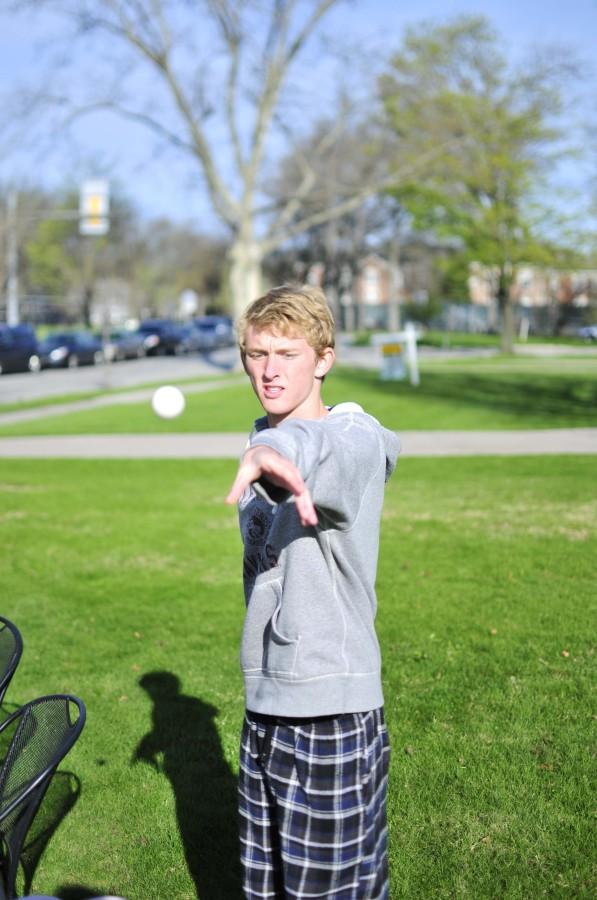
230, 446
25, 386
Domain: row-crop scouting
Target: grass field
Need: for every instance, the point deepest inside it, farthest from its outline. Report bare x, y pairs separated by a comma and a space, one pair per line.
459, 339
497, 393
124, 578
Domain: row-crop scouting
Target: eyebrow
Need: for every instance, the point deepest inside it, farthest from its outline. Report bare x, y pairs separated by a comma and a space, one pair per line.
284, 348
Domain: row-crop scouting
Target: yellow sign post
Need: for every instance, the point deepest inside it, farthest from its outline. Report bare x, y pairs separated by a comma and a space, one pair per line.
398, 355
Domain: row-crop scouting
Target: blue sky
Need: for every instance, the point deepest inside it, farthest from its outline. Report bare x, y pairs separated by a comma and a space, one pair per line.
161, 185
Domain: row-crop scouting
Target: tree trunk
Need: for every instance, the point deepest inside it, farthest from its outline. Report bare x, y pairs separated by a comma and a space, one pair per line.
506, 313
86, 304
246, 259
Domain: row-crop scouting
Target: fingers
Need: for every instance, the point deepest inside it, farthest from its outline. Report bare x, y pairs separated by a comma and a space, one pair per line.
305, 509
263, 461
241, 483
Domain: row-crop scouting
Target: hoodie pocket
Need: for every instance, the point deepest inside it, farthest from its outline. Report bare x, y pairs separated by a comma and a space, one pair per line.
280, 650
264, 647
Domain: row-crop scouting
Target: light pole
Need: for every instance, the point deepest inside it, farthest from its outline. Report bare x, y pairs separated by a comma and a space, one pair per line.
12, 261
94, 219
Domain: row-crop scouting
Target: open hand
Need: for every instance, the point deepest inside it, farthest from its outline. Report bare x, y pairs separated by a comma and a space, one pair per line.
264, 462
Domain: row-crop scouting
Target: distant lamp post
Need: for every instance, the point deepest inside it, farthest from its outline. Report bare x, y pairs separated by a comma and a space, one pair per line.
94, 207
12, 261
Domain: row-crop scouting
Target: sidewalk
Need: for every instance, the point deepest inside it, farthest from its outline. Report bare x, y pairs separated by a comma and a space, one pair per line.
230, 446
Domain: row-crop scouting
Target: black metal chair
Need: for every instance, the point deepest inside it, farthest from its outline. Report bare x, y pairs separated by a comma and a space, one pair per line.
11, 647
42, 733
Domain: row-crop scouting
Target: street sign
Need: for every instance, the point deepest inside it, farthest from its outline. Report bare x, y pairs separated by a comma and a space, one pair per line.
398, 354
94, 207
393, 367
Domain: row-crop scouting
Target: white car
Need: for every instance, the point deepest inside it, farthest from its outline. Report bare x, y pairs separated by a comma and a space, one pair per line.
588, 332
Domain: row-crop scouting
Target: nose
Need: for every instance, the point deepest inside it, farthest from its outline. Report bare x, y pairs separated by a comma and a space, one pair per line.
271, 367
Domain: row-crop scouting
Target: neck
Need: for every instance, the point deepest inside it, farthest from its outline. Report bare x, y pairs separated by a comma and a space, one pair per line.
317, 412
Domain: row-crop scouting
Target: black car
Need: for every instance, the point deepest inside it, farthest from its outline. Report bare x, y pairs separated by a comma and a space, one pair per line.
19, 350
70, 349
215, 331
161, 336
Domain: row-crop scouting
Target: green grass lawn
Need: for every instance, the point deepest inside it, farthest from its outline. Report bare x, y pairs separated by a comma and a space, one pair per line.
124, 578
498, 393
434, 338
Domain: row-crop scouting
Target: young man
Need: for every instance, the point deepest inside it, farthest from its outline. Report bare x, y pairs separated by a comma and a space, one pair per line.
314, 747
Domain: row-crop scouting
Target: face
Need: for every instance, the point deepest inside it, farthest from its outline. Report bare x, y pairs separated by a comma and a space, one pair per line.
286, 374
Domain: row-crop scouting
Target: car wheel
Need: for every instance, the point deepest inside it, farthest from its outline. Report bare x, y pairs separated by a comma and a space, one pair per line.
73, 361
0, 368
34, 363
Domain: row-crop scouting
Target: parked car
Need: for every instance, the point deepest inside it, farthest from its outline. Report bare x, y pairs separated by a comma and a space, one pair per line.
124, 345
160, 336
588, 332
19, 350
190, 339
215, 331
70, 349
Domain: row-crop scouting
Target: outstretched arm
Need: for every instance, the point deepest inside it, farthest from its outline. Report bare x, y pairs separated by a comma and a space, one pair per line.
263, 462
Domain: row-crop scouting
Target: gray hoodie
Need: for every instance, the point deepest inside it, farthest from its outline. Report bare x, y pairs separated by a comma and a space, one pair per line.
309, 646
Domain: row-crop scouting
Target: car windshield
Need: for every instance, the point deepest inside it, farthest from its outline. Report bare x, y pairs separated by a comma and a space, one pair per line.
56, 340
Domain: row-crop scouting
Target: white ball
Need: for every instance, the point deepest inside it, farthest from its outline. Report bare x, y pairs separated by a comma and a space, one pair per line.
168, 402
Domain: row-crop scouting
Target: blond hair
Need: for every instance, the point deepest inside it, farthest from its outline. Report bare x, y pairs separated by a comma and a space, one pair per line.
292, 310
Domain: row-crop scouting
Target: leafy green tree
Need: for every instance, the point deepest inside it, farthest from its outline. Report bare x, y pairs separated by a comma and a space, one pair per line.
60, 261
171, 258
451, 86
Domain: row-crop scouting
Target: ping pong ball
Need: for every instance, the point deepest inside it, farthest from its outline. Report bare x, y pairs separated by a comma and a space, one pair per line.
168, 402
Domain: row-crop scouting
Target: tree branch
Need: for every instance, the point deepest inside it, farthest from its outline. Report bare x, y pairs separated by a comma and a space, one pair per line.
227, 19
276, 237
221, 198
309, 178
275, 72
132, 115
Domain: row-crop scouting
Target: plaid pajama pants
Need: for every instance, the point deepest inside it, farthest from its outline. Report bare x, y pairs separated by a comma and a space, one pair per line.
312, 800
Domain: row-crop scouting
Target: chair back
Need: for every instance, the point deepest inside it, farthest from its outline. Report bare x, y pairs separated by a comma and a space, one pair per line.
11, 648
42, 732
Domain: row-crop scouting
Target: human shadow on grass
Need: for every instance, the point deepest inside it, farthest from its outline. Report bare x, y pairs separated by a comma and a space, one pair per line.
82, 892
62, 794
185, 733
79, 892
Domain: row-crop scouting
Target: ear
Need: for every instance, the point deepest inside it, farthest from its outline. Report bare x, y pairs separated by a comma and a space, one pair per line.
325, 362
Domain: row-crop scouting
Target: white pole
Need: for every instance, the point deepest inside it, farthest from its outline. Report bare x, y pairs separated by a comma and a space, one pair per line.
411, 352
12, 262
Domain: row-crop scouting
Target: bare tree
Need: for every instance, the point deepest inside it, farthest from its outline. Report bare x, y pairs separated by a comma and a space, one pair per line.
226, 93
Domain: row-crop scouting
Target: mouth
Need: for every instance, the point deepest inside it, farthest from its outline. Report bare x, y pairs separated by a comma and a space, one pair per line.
272, 392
